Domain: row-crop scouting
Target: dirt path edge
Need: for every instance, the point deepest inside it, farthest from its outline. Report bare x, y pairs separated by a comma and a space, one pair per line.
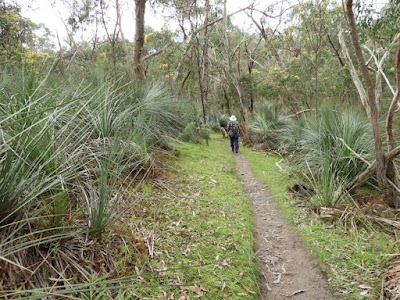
289, 271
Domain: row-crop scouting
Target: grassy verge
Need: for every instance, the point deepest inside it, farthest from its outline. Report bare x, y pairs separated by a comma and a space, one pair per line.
202, 227
351, 252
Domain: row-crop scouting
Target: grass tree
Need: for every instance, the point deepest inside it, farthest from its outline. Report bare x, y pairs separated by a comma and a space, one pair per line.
268, 126
330, 149
69, 159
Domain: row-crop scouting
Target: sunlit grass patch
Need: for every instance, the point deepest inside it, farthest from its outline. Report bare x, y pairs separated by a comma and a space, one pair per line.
202, 224
353, 257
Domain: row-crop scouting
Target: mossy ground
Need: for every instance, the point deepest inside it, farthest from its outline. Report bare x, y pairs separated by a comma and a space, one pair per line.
201, 221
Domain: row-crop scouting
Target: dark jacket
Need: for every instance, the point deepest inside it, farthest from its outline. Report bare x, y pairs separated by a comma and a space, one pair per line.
230, 129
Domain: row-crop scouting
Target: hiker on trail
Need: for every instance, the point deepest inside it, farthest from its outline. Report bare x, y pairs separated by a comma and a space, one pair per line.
233, 132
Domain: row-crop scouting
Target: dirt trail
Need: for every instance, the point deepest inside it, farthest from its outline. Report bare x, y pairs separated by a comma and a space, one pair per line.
290, 272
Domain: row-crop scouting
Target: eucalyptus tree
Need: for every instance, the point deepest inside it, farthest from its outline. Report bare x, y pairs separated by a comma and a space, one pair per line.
80, 15
251, 53
234, 77
310, 34
383, 166
195, 19
140, 8
268, 23
14, 31
112, 33
162, 47
203, 72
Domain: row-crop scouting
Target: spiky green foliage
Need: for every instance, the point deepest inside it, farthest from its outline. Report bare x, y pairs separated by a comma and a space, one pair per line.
34, 143
156, 115
216, 120
268, 126
330, 186
328, 148
70, 154
194, 134
340, 137
291, 139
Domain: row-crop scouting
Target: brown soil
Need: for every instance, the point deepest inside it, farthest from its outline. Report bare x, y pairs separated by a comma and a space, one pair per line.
290, 272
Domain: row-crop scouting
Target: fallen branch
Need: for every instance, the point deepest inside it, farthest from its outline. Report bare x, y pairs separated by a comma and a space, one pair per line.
296, 292
301, 112
280, 168
387, 221
330, 212
371, 169
150, 243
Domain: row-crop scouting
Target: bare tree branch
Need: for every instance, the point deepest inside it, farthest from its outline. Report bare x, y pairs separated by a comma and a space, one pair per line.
353, 73
156, 52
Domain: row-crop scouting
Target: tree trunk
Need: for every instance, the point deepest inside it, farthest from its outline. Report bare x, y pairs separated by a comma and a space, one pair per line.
227, 104
124, 44
381, 167
204, 75
112, 37
140, 7
250, 65
392, 172
235, 80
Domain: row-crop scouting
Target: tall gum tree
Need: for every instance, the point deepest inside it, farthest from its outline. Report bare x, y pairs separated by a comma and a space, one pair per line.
383, 167
138, 69
203, 61
234, 78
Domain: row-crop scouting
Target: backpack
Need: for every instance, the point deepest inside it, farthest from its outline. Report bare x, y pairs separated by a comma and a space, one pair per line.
234, 130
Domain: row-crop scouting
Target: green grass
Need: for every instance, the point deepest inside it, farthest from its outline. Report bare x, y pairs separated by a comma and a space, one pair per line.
352, 252
266, 170
202, 222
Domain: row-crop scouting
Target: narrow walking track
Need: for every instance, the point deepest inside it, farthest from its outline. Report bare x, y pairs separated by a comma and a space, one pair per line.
290, 272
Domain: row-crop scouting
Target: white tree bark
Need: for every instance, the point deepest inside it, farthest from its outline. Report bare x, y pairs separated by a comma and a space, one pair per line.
353, 73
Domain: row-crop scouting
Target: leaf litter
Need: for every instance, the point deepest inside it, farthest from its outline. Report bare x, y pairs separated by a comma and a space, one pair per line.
195, 236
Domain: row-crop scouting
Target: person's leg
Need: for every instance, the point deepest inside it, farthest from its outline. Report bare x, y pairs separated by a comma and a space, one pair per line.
236, 145
232, 144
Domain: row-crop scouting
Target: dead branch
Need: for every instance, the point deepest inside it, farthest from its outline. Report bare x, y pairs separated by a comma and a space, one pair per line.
371, 169
296, 292
386, 221
336, 51
355, 153
280, 168
354, 75
156, 52
301, 112
330, 212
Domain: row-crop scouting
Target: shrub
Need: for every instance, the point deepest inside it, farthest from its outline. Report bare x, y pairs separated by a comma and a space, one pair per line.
195, 134
268, 127
326, 147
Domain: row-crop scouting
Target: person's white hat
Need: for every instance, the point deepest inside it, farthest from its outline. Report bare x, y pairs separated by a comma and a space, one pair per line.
232, 118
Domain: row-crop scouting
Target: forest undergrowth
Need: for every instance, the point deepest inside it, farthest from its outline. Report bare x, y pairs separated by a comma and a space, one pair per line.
188, 235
